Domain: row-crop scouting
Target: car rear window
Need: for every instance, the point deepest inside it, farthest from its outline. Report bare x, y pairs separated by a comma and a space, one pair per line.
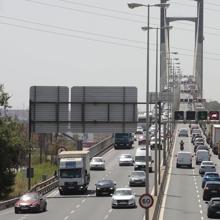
213, 185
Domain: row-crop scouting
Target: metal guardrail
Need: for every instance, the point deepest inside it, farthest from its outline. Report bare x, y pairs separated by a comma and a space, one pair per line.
50, 184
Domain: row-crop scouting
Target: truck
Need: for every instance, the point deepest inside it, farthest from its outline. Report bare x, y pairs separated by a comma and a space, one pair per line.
215, 139
140, 159
124, 140
74, 171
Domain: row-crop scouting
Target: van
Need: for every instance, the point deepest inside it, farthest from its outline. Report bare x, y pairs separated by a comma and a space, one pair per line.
202, 155
184, 158
140, 159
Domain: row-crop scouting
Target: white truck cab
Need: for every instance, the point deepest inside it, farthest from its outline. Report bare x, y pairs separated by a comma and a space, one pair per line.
74, 171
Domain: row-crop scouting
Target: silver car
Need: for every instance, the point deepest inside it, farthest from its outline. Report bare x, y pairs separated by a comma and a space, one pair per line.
207, 166
137, 178
126, 159
97, 163
123, 197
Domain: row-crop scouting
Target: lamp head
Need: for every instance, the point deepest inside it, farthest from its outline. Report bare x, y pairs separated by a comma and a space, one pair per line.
134, 5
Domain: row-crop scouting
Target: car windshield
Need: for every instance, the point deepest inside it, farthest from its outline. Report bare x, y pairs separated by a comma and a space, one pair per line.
138, 174
70, 173
139, 132
125, 156
123, 192
104, 182
211, 175
207, 163
28, 197
212, 185
97, 160
216, 201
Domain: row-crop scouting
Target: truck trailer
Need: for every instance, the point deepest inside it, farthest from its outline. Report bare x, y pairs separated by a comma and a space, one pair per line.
74, 171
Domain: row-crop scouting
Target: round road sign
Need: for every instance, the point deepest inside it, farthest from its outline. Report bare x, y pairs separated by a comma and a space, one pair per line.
60, 149
146, 201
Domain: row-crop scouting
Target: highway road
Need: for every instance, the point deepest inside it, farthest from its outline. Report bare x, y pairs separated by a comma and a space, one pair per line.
89, 206
183, 193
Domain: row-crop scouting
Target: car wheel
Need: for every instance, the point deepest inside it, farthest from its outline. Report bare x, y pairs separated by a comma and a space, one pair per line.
17, 211
150, 169
45, 208
177, 165
209, 214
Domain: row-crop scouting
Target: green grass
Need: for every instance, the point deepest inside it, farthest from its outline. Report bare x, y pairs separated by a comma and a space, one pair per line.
21, 182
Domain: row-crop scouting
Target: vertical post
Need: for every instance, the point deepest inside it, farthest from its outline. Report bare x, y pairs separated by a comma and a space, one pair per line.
147, 112
156, 127
164, 145
29, 148
159, 179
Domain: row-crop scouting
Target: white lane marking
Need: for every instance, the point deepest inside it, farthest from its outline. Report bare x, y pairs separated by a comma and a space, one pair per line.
77, 206
199, 201
110, 210
201, 212
167, 185
198, 195
83, 201
72, 211
66, 217
202, 218
200, 206
106, 217
5, 213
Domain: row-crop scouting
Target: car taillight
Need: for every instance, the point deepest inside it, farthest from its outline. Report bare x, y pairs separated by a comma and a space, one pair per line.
206, 188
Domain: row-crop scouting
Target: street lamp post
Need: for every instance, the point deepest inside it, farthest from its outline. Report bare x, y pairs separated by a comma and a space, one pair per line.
157, 166
134, 5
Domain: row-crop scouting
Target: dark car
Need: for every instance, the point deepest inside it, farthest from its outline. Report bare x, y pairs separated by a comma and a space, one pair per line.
31, 202
213, 207
183, 132
194, 136
201, 147
211, 190
215, 149
210, 176
105, 187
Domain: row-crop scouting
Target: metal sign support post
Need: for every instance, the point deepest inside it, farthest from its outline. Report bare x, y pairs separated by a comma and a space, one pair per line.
159, 161
147, 112
29, 148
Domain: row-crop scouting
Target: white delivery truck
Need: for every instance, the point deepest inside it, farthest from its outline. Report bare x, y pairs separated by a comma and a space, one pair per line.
215, 134
74, 171
140, 159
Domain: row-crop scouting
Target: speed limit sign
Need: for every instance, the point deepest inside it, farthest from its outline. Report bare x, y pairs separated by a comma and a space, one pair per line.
146, 201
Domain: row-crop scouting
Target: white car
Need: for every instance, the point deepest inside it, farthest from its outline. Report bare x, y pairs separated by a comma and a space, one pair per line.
97, 163
207, 166
123, 197
126, 159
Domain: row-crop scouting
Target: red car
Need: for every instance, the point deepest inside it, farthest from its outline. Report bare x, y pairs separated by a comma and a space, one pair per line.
31, 202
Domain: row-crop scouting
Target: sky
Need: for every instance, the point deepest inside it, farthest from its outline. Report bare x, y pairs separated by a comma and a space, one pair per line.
96, 43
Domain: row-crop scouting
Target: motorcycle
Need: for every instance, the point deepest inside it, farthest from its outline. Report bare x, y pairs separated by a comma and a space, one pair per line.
181, 145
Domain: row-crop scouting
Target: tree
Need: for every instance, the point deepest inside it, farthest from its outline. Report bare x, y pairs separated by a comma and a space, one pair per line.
12, 147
